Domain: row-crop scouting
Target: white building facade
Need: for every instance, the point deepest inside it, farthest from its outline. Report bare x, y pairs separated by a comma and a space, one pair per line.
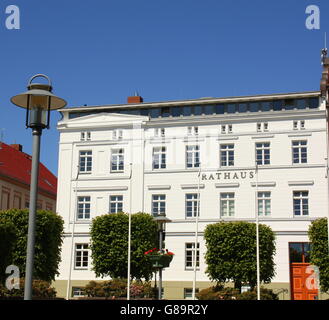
148, 156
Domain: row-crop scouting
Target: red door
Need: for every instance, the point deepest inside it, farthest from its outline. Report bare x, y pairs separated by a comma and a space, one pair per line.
304, 284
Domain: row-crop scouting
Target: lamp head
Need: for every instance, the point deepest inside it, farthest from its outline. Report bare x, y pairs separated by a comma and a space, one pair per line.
38, 101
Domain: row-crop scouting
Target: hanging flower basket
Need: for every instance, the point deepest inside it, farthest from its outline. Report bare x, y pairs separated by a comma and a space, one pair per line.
160, 259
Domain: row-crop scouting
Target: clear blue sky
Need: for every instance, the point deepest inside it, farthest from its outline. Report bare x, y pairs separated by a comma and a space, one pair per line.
101, 51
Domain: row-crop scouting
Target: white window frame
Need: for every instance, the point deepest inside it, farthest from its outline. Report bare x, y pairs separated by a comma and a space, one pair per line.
191, 201
83, 208
265, 149
192, 131
226, 155
192, 156
85, 161
80, 254
189, 255
159, 158
117, 160
158, 204
85, 136
159, 132
297, 150
188, 293
262, 126
117, 134
303, 203
223, 129
299, 125
264, 203
226, 128
117, 202
227, 204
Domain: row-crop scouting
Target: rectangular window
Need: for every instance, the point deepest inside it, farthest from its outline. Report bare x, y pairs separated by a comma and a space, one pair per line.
117, 134
188, 293
299, 125
159, 158
78, 292
263, 153
264, 204
158, 204
227, 155
223, 130
265, 126
81, 256
190, 255
192, 131
192, 156
301, 203
165, 112
191, 205
159, 132
262, 126
299, 252
227, 204
17, 201
116, 204
85, 161
226, 128
83, 208
85, 136
299, 151
117, 160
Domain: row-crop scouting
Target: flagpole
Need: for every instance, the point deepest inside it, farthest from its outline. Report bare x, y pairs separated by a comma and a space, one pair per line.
257, 235
129, 238
72, 233
196, 235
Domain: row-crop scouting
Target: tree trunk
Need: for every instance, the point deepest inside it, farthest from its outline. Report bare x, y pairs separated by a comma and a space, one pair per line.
238, 285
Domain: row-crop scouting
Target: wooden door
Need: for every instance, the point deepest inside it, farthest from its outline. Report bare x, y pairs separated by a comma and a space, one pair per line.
304, 284
303, 279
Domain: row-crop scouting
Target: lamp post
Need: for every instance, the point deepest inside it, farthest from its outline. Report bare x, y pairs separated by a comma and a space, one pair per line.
38, 102
161, 220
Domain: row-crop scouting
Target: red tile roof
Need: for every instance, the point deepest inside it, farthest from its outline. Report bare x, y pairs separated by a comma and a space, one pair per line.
16, 165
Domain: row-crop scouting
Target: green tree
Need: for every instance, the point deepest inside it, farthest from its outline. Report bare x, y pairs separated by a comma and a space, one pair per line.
7, 242
109, 243
318, 235
231, 253
48, 241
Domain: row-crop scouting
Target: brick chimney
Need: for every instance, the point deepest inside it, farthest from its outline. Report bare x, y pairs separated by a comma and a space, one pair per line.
324, 84
135, 99
17, 147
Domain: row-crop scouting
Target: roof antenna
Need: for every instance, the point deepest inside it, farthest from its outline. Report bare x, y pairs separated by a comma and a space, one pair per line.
324, 51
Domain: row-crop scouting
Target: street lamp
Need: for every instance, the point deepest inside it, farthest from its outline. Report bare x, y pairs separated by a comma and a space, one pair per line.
161, 220
38, 102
